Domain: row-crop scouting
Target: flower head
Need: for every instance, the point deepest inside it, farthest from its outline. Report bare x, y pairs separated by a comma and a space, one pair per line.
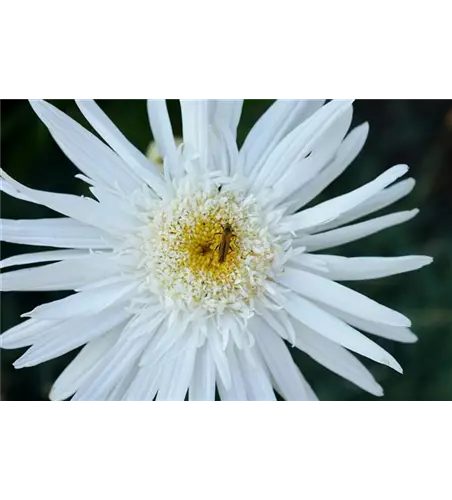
195, 276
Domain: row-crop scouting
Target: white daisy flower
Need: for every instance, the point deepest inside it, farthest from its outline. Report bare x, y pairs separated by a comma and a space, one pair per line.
198, 276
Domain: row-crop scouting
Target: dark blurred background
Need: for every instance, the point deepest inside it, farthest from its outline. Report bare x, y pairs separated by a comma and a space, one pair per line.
418, 133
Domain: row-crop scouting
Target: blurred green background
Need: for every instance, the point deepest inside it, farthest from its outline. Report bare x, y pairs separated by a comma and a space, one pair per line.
418, 133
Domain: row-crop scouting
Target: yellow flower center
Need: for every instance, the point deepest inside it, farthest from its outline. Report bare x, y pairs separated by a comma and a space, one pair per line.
210, 249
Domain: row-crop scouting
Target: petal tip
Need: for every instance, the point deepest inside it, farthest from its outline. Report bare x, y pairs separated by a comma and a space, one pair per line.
379, 392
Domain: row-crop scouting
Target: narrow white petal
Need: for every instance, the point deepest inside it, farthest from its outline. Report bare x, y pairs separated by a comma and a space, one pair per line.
69, 335
65, 275
301, 141
280, 322
366, 268
134, 158
310, 262
159, 334
310, 394
223, 151
298, 174
257, 380
165, 375
354, 232
332, 209
177, 387
339, 296
220, 359
346, 154
336, 330
145, 384
336, 358
82, 209
81, 367
115, 202
8, 188
86, 303
122, 385
25, 333
34, 258
226, 114
114, 366
377, 202
58, 232
236, 391
271, 128
278, 360
227, 150
86, 151
399, 334
202, 385
195, 124
163, 134
162, 342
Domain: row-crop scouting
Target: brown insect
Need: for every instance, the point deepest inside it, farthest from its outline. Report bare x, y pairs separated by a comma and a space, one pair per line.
225, 244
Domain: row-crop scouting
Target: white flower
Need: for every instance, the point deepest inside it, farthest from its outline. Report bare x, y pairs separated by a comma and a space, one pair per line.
191, 278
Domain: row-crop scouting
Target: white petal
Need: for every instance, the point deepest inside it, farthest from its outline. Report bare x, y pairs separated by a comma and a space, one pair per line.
300, 142
223, 151
25, 333
8, 188
195, 124
332, 209
257, 380
122, 385
377, 202
280, 322
365, 268
82, 209
336, 330
145, 384
226, 114
354, 232
182, 370
86, 303
65, 275
86, 151
236, 391
202, 385
399, 334
271, 128
114, 366
297, 175
310, 394
346, 154
163, 134
81, 367
278, 360
34, 258
58, 232
220, 359
69, 335
134, 158
310, 262
337, 359
115, 202
339, 296
163, 341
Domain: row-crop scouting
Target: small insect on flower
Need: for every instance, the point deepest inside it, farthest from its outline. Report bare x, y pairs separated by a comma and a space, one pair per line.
225, 244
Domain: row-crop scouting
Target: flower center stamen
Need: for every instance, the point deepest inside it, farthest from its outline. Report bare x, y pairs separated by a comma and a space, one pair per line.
210, 249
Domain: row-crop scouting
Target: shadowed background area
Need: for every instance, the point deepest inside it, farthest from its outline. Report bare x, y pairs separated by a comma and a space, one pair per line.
418, 133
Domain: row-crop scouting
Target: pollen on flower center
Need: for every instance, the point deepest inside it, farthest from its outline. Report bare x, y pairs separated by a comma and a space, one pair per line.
210, 249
